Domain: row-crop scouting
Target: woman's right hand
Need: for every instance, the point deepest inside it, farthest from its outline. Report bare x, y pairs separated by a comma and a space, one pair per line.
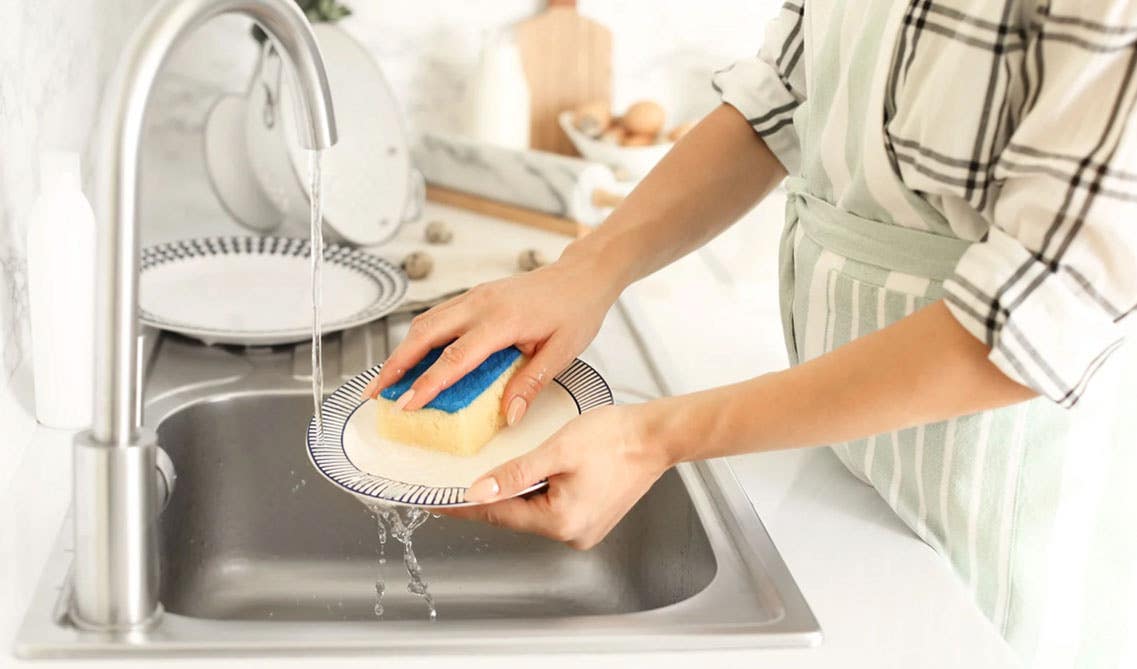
551, 314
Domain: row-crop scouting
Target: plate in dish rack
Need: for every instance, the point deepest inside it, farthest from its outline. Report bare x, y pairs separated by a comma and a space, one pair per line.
257, 290
353, 456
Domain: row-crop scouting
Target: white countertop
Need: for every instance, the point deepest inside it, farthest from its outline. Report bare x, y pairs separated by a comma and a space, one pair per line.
883, 598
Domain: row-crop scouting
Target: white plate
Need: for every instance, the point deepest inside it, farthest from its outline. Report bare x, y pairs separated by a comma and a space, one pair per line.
257, 290
230, 173
353, 456
367, 174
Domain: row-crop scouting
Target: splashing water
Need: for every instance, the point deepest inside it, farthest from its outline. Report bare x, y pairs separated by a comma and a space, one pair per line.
380, 582
397, 522
317, 260
401, 523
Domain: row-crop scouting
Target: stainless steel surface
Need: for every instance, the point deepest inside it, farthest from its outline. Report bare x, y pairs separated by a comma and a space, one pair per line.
115, 572
260, 554
167, 477
121, 119
259, 536
116, 562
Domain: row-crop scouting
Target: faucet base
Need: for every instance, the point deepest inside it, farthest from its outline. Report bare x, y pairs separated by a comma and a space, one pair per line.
115, 576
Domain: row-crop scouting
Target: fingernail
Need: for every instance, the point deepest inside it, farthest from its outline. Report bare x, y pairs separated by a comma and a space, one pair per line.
483, 490
516, 410
405, 399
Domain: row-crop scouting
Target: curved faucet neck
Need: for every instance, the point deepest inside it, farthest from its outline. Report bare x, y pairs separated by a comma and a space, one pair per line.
117, 411
115, 566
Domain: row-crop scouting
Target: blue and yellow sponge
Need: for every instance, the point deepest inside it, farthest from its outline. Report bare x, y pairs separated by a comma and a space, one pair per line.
462, 418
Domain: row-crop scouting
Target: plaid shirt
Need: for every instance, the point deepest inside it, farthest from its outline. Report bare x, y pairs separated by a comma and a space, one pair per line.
1014, 120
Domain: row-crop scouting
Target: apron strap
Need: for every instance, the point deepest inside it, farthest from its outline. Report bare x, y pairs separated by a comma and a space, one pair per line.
885, 245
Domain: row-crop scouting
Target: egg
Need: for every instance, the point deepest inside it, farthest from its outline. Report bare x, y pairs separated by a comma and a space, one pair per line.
644, 118
592, 118
638, 139
680, 130
615, 134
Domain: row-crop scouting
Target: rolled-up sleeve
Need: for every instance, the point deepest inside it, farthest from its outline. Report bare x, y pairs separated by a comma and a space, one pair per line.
1052, 287
768, 88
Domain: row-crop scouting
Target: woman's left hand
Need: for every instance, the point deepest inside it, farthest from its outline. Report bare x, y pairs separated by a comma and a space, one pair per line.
598, 466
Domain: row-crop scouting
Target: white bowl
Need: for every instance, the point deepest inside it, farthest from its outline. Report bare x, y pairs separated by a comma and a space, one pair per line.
635, 160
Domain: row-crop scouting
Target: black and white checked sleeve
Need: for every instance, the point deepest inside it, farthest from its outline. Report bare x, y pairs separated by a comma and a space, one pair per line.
1052, 287
768, 88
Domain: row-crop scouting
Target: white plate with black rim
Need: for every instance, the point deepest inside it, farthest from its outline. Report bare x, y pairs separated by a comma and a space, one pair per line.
256, 291
353, 456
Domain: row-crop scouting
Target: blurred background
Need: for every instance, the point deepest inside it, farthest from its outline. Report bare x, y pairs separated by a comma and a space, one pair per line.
55, 56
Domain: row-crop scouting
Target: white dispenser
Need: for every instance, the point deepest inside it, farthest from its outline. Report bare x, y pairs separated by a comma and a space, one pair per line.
61, 274
497, 105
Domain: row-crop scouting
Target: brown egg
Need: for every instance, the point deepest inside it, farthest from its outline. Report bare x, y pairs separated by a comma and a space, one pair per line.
680, 130
592, 118
644, 118
638, 139
615, 134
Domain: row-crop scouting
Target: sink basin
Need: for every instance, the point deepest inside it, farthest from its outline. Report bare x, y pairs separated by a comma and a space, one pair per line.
260, 554
255, 534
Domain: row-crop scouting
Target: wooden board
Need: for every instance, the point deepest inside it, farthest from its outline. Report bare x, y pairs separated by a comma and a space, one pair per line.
568, 62
509, 212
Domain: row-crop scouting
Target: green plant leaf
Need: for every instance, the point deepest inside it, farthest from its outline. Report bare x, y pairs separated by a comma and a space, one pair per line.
316, 11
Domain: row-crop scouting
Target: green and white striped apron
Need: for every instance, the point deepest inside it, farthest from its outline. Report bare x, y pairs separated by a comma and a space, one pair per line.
1031, 504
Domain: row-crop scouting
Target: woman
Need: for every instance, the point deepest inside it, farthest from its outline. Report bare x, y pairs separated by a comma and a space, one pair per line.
958, 265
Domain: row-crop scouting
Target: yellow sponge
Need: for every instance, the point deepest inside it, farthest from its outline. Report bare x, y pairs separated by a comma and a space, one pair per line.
462, 418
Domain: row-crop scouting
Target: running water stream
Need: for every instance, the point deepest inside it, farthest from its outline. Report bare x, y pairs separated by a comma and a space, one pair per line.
316, 249
397, 522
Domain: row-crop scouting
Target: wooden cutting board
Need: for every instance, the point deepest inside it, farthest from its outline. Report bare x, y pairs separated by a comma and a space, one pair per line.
568, 62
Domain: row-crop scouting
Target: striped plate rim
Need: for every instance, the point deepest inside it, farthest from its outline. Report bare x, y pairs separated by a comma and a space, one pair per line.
583, 383
391, 281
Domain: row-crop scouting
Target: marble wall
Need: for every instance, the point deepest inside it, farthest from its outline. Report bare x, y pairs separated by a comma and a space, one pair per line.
55, 54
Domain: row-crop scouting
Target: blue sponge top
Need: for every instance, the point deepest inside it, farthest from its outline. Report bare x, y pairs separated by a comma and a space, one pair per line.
466, 389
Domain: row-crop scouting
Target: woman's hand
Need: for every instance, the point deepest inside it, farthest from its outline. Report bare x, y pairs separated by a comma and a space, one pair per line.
598, 466
550, 314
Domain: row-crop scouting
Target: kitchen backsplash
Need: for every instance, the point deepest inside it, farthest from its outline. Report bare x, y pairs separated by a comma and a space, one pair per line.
55, 54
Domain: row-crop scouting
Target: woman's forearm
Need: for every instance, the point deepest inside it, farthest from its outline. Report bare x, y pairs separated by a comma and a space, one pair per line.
713, 176
921, 369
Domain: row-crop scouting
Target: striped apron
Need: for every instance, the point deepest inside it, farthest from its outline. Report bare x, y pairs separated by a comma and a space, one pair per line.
1031, 504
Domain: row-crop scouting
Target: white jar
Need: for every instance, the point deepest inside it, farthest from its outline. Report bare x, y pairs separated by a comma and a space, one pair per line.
61, 275
497, 106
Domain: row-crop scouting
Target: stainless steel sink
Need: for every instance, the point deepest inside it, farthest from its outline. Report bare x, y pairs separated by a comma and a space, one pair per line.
255, 534
258, 553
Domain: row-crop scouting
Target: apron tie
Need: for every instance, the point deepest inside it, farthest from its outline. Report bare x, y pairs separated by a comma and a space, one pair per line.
884, 245
861, 239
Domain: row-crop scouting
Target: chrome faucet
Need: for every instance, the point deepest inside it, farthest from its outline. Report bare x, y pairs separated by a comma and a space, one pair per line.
115, 569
